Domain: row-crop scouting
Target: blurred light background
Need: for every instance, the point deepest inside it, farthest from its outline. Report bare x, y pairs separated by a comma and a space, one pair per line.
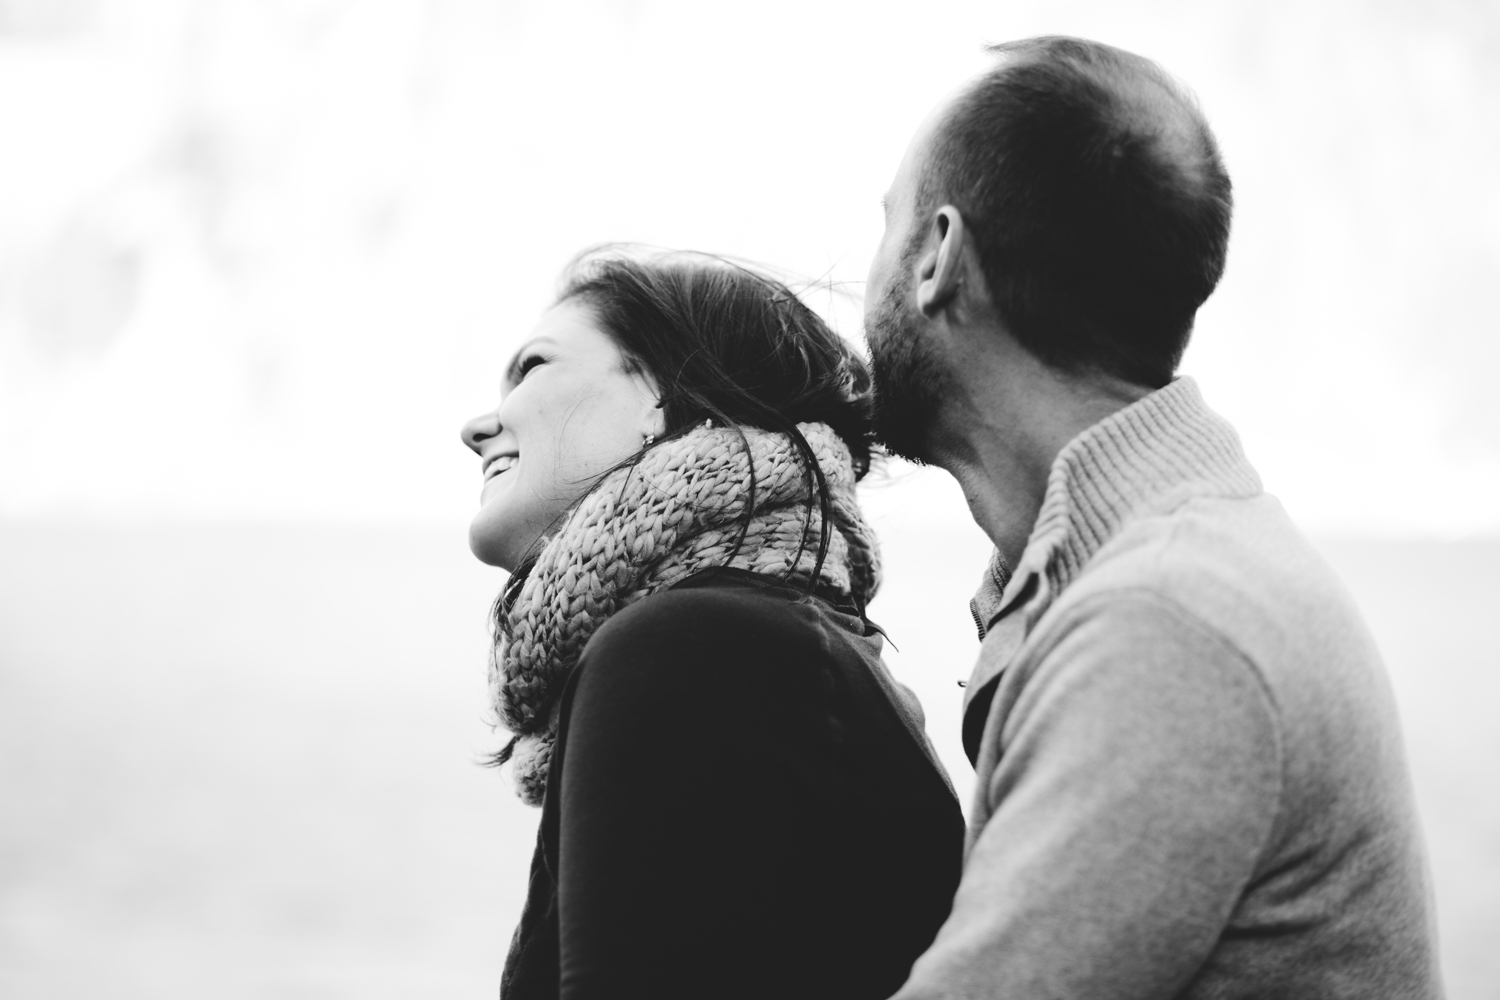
260, 258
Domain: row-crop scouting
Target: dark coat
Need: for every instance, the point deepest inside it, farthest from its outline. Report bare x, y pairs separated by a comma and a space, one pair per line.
736, 807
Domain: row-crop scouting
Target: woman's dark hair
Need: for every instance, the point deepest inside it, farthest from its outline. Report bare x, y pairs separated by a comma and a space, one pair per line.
724, 341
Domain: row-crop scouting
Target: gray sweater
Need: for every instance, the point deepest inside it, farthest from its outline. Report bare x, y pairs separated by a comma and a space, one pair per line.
1190, 780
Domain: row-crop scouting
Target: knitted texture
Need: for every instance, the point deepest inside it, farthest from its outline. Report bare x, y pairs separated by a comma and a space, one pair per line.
1150, 456
679, 510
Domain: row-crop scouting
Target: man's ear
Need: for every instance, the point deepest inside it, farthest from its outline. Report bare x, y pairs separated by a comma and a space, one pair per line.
941, 271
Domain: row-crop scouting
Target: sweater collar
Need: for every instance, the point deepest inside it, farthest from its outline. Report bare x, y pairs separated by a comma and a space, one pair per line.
1145, 459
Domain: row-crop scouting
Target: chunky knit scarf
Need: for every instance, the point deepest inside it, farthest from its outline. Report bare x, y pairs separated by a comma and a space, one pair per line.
679, 510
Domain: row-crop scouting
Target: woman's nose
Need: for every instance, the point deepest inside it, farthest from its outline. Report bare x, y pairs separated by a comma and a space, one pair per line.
480, 429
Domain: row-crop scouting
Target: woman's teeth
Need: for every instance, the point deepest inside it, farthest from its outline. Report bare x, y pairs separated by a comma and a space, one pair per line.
503, 464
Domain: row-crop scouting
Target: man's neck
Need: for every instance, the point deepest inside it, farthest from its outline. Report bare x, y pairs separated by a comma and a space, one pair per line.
1002, 431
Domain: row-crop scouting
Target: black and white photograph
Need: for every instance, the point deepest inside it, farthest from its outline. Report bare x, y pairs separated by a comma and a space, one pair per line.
584, 499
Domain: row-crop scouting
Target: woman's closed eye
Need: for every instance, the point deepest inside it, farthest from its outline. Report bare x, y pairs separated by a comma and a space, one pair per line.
523, 364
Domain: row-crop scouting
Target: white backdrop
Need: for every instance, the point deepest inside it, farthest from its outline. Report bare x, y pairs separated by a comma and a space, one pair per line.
261, 258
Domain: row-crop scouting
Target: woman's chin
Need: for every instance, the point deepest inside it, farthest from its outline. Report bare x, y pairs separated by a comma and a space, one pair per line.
486, 546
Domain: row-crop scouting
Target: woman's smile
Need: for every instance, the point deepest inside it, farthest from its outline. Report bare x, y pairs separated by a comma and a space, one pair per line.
497, 465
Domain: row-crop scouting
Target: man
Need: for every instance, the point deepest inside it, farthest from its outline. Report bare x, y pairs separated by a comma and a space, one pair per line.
1189, 778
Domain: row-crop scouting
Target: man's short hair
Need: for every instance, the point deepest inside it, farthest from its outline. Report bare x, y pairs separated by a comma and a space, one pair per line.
1097, 199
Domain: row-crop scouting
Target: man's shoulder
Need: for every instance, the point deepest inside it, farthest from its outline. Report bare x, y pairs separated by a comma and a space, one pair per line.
1240, 567
1238, 573
1241, 576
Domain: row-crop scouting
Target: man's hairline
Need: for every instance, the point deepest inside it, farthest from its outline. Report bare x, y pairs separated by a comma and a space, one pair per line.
1183, 111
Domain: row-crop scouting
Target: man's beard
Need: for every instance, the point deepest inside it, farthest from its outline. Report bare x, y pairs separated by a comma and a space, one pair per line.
910, 382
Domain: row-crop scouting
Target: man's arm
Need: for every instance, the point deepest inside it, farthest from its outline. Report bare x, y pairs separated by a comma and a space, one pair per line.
1139, 781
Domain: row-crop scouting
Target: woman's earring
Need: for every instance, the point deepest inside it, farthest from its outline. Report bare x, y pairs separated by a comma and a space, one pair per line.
650, 440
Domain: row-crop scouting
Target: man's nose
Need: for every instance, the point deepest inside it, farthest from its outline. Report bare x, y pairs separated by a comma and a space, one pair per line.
480, 429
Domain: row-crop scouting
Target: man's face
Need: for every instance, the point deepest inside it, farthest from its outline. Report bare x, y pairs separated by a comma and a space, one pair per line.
910, 377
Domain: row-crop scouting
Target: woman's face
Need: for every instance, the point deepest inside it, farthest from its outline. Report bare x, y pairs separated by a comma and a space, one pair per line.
569, 411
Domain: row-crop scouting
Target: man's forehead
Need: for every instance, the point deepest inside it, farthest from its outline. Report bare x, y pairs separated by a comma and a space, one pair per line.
909, 171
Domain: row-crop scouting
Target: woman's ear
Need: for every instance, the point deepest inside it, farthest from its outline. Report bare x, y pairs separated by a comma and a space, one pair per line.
656, 420
651, 410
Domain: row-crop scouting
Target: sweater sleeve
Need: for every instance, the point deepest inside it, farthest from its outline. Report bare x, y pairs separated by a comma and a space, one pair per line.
686, 792
1137, 786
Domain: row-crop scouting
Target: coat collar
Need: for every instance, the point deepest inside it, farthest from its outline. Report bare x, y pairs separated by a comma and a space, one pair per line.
1148, 458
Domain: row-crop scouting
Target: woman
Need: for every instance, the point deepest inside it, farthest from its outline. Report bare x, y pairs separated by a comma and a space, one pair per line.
737, 800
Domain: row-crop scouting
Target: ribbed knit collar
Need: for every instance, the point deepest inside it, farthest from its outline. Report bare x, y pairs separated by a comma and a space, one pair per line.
1145, 459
